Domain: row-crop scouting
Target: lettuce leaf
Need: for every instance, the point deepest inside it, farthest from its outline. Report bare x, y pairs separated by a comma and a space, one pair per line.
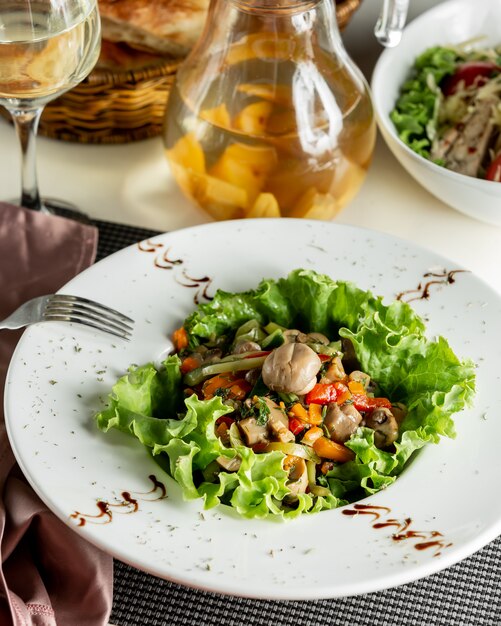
416, 111
391, 345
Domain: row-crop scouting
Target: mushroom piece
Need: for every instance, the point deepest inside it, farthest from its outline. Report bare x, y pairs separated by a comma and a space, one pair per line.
350, 360
278, 424
223, 432
252, 376
246, 346
360, 377
385, 427
334, 372
291, 368
253, 432
399, 411
341, 422
318, 338
296, 336
298, 474
230, 465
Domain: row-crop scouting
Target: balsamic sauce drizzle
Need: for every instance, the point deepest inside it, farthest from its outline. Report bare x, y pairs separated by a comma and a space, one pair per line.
129, 503
164, 263
426, 538
149, 246
162, 259
200, 284
446, 277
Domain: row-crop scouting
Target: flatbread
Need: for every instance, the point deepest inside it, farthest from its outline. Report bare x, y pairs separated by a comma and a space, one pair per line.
168, 27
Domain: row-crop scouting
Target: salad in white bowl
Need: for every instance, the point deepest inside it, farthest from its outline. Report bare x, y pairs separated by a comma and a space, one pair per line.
436, 103
449, 109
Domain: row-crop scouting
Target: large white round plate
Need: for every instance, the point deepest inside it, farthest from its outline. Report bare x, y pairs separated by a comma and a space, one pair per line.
107, 487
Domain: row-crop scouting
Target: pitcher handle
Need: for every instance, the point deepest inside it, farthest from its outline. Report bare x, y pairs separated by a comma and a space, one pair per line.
391, 22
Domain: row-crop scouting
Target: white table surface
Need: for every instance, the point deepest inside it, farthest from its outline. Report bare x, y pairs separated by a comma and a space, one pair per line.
132, 184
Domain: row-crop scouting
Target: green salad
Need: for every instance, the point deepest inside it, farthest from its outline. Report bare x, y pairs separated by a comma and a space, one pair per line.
303, 394
449, 109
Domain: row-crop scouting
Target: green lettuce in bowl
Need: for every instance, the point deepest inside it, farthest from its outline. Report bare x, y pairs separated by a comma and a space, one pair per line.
390, 344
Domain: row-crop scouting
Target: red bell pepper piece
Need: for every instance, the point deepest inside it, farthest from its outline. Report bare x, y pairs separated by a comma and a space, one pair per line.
296, 425
324, 357
365, 403
375, 403
256, 354
188, 364
494, 170
468, 73
322, 393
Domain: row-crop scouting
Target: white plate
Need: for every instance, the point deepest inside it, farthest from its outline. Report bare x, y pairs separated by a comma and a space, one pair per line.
60, 374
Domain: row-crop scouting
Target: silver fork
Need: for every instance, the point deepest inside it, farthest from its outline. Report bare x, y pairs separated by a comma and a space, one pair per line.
64, 308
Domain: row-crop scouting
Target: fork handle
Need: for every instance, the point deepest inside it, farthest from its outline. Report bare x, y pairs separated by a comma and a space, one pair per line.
10, 323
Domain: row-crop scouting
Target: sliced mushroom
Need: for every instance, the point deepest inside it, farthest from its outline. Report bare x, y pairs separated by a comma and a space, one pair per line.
252, 376
296, 336
292, 335
246, 346
318, 338
399, 411
360, 377
223, 432
385, 427
291, 368
341, 422
253, 432
278, 424
208, 355
230, 465
298, 474
350, 361
334, 372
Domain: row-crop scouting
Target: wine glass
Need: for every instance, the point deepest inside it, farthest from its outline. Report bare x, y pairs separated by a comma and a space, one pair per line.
46, 48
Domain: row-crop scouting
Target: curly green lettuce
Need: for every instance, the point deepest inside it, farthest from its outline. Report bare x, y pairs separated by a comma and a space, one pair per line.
416, 111
391, 345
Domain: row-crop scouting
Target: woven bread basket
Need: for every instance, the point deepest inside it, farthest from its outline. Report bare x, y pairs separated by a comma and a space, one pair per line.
116, 105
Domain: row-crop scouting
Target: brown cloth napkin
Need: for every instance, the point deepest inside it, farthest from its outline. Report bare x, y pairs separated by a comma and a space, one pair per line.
49, 575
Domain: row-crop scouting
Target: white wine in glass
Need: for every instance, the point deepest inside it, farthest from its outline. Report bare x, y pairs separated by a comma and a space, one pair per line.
46, 48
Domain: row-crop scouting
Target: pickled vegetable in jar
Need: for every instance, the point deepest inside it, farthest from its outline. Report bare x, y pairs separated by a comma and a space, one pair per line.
268, 116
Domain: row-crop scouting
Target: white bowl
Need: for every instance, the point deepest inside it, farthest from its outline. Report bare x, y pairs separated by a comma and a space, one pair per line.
449, 23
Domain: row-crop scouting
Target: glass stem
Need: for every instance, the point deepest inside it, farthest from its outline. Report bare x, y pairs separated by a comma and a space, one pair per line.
26, 125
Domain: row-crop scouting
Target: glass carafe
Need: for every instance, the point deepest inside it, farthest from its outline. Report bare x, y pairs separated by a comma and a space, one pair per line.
268, 116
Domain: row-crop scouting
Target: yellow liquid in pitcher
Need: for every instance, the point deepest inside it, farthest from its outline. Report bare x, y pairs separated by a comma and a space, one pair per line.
256, 148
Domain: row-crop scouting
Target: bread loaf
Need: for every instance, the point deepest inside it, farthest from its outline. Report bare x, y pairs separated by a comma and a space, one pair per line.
167, 27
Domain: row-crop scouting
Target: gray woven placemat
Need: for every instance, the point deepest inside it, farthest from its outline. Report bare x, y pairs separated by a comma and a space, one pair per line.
467, 594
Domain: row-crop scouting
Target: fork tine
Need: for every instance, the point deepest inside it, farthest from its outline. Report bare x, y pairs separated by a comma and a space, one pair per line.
84, 310
85, 315
66, 299
52, 317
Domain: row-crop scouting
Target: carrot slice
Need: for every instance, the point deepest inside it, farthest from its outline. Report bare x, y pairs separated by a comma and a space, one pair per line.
180, 339
237, 388
189, 363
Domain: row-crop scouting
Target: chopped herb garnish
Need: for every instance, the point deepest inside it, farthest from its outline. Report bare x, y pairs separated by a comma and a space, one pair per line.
263, 412
222, 392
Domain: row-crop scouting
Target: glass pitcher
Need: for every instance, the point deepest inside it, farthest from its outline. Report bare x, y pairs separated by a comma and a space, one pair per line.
268, 115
